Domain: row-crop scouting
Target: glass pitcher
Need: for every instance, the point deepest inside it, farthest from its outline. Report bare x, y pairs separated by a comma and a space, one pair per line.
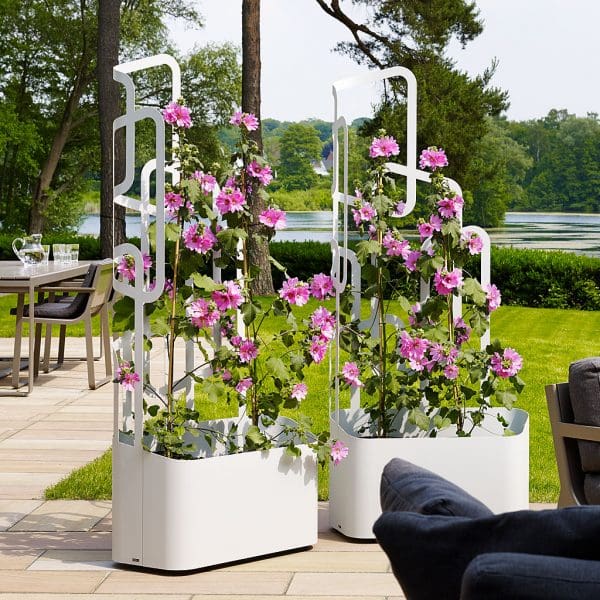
29, 251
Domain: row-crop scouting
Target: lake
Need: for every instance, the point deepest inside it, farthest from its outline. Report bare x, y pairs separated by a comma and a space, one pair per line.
549, 231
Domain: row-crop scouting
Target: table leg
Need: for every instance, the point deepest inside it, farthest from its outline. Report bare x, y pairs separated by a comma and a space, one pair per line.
31, 361
16, 368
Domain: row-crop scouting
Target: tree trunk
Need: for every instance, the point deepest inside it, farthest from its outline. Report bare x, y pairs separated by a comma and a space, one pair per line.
109, 109
258, 248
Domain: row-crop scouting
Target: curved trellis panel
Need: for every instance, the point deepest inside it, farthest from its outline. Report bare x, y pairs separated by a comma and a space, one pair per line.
345, 266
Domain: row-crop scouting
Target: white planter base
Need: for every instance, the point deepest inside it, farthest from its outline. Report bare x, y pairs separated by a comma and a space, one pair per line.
188, 514
492, 467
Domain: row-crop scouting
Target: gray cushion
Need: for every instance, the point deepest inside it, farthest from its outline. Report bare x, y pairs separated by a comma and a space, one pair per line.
429, 553
584, 390
408, 487
591, 487
69, 307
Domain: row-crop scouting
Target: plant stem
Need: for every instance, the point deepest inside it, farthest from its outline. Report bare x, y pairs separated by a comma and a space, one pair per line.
382, 347
171, 349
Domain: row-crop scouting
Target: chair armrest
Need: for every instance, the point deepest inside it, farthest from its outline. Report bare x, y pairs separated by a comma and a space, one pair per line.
84, 290
579, 432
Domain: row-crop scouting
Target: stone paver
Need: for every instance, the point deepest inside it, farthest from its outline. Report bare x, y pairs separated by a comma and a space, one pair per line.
64, 515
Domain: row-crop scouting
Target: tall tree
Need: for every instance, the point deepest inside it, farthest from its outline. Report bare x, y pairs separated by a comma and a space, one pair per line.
258, 246
452, 107
300, 145
109, 21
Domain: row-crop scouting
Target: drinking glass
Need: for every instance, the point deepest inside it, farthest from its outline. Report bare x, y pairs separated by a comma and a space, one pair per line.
58, 253
46, 249
74, 254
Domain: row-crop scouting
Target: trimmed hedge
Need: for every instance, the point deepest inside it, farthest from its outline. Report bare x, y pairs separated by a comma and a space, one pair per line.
537, 278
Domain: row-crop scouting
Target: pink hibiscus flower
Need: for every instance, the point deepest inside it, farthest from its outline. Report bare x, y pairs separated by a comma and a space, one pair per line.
338, 452
299, 391
446, 282
273, 218
321, 286
432, 158
296, 292
507, 364
384, 146
177, 114
230, 297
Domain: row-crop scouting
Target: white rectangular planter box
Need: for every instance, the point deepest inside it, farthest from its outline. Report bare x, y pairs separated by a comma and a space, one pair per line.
187, 514
490, 466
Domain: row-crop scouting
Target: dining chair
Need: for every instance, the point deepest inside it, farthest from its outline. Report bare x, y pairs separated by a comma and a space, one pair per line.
92, 298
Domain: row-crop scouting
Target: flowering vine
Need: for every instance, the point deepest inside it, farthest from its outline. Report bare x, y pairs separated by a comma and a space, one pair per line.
432, 365
210, 225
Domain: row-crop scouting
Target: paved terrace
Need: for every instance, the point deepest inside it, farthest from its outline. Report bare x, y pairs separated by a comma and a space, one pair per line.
61, 549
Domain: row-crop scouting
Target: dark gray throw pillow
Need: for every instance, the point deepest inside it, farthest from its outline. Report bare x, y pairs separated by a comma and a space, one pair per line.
408, 487
429, 553
584, 390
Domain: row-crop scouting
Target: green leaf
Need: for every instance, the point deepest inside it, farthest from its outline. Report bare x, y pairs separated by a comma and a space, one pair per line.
365, 248
214, 390
255, 436
204, 282
440, 422
277, 368
472, 288
507, 399
172, 231
249, 312
419, 418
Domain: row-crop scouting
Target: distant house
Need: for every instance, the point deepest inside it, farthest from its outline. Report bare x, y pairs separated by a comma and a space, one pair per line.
324, 166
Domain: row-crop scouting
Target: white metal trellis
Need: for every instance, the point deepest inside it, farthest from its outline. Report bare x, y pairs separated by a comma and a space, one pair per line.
345, 264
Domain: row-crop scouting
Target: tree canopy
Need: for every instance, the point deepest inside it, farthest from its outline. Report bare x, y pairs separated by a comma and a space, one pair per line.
300, 145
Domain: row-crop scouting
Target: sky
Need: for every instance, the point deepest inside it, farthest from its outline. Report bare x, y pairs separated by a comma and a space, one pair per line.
546, 53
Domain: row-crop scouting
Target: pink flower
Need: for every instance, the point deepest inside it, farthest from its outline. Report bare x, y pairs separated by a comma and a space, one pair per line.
384, 146
299, 391
432, 158
247, 351
206, 180
199, 238
450, 207
473, 242
412, 348
462, 332
338, 452
263, 174
230, 199
203, 313
318, 348
410, 262
363, 214
394, 245
173, 202
451, 371
446, 282
177, 114
351, 374
493, 296
399, 209
126, 266
415, 309
273, 218
435, 222
248, 120
244, 385
230, 297
236, 340
321, 286
425, 230
507, 364
294, 291
324, 322
126, 376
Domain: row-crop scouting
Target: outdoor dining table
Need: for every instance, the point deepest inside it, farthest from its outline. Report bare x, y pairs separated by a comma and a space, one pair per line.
20, 279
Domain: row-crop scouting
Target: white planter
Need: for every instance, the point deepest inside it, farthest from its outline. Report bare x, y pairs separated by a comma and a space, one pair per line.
490, 466
187, 514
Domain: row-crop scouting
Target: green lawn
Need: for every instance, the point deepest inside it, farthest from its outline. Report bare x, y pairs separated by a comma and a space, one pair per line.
548, 339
